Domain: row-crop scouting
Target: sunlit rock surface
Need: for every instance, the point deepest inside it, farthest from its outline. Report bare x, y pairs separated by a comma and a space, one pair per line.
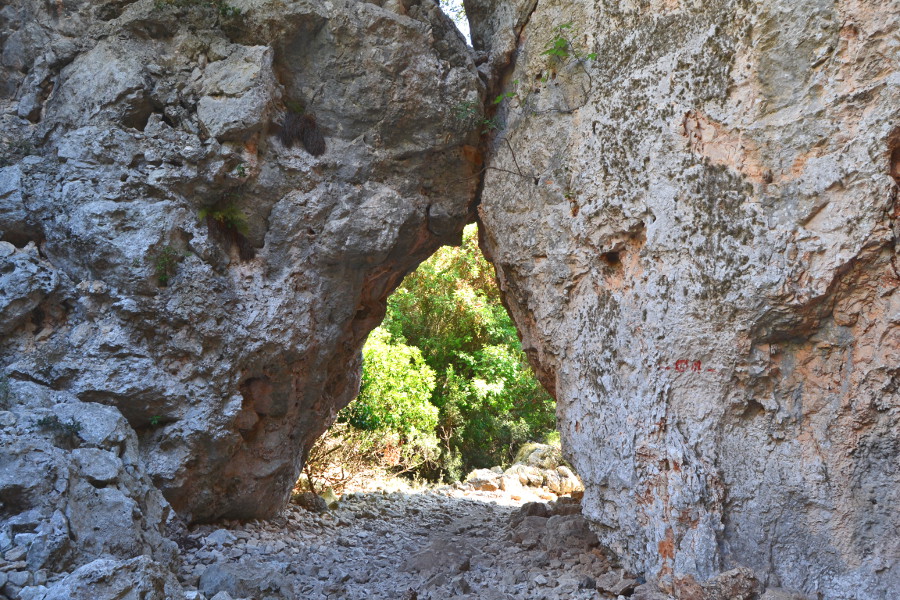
696, 232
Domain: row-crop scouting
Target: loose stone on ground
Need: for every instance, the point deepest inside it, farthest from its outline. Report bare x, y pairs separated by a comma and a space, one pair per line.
441, 543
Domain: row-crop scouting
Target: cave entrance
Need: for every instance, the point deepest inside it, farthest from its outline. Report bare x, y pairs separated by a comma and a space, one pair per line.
446, 387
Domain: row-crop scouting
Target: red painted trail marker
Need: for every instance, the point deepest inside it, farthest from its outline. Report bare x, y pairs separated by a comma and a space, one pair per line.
684, 365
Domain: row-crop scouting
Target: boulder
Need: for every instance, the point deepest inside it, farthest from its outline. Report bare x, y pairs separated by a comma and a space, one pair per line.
250, 579
484, 480
530, 509
736, 584
530, 531
511, 484
443, 555
107, 579
616, 582
527, 475
164, 249
541, 456
73, 488
310, 501
568, 533
567, 481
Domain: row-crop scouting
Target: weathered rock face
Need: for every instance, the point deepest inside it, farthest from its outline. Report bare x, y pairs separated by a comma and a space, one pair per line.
171, 250
692, 210
72, 488
104, 578
701, 254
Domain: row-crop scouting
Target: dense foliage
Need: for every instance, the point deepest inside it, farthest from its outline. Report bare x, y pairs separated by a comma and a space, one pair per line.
394, 403
445, 373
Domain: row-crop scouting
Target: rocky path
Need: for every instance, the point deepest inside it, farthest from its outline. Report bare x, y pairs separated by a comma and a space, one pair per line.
437, 544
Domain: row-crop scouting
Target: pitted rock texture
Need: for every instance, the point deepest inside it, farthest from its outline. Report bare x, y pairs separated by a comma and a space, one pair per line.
164, 253
73, 489
696, 231
104, 578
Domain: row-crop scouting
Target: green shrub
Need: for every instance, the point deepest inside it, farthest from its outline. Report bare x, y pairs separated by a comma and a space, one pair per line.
390, 426
228, 216
165, 264
488, 398
395, 390
227, 222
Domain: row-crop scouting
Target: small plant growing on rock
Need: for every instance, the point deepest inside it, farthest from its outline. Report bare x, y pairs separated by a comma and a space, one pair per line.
54, 424
228, 217
562, 48
13, 151
508, 95
489, 125
5, 392
165, 265
467, 112
66, 431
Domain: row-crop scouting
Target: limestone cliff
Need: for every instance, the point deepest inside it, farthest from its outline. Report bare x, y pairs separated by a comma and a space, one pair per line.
693, 217
692, 208
170, 247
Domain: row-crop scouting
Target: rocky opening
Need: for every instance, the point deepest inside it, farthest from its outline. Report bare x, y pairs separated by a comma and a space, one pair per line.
764, 277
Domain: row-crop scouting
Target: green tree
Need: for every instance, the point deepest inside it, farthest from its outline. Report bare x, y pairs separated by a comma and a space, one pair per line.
489, 400
392, 420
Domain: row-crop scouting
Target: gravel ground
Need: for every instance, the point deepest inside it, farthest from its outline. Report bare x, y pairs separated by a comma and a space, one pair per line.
434, 544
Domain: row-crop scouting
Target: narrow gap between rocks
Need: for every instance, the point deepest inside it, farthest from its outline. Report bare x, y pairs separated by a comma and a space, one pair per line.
454, 9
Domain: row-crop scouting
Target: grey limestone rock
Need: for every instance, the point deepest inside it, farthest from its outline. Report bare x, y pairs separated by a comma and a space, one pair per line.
310, 501
72, 489
25, 283
568, 533
106, 579
189, 269
694, 224
701, 256
780, 594
483, 479
245, 580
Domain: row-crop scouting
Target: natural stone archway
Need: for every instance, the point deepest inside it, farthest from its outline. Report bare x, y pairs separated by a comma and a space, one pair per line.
703, 263
692, 211
228, 342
